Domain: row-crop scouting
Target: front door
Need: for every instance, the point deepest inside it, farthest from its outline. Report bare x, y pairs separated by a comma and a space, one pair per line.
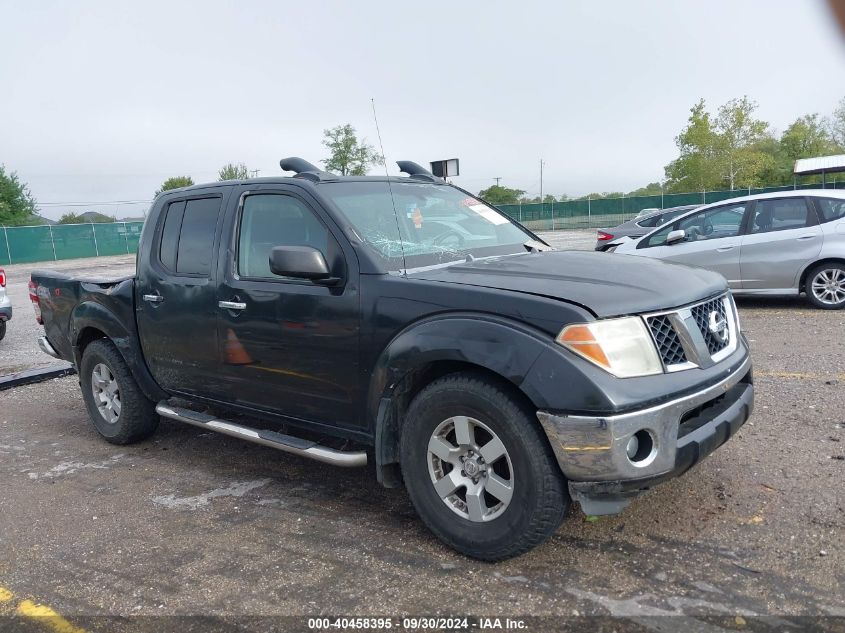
176, 296
712, 241
783, 236
288, 346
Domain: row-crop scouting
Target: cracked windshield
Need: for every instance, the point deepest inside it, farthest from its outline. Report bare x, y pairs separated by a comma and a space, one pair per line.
433, 224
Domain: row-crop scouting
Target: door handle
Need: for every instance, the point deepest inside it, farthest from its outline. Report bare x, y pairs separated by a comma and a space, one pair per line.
232, 305
724, 249
805, 237
156, 298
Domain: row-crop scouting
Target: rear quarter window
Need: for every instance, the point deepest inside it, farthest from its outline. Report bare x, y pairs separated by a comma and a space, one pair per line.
830, 209
187, 239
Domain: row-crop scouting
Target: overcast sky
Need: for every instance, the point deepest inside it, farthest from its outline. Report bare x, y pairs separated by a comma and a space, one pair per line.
101, 101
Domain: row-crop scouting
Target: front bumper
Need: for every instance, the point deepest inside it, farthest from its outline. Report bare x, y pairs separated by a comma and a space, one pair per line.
591, 450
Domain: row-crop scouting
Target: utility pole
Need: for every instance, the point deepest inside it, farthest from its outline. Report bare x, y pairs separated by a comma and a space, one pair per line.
497, 180
254, 173
541, 180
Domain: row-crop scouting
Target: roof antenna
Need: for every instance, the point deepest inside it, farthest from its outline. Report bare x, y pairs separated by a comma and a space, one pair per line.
390, 188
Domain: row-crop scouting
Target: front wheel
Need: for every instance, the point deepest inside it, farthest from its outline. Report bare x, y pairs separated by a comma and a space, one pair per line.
479, 470
119, 410
825, 286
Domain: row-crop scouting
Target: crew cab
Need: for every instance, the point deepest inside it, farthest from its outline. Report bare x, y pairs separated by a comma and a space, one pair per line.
404, 322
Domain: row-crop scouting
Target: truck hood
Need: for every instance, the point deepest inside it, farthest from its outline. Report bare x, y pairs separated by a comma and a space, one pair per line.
606, 284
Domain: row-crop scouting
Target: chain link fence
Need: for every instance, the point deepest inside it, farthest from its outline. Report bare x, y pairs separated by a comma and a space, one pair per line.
608, 212
27, 244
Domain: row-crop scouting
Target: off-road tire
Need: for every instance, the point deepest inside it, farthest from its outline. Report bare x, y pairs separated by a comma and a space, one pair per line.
540, 497
137, 419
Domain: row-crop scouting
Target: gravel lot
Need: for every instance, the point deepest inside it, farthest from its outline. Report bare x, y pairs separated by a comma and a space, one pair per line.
197, 523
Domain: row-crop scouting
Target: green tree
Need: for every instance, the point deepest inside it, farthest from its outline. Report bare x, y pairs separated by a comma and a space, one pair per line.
175, 182
497, 194
837, 124
806, 137
71, 218
721, 152
16, 202
651, 189
233, 171
737, 136
349, 155
88, 217
695, 168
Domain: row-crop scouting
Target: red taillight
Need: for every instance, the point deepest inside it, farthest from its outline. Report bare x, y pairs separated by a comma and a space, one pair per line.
36, 304
2, 278
602, 236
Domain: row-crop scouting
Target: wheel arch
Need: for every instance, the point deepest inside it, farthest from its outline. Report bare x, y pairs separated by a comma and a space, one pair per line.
810, 267
92, 321
501, 350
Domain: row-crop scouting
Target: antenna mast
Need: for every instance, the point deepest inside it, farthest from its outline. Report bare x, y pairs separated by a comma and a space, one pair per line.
390, 188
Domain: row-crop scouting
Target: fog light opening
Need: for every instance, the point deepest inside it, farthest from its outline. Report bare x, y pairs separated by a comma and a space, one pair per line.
641, 448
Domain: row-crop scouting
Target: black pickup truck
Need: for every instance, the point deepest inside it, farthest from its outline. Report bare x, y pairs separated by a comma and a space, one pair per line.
404, 322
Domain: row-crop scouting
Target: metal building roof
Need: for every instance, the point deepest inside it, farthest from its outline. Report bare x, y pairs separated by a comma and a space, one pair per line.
829, 164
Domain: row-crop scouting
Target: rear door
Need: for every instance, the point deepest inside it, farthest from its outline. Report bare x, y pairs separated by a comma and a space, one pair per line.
713, 239
783, 236
176, 298
290, 346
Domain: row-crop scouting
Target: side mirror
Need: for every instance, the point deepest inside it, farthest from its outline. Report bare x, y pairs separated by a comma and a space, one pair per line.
676, 236
301, 262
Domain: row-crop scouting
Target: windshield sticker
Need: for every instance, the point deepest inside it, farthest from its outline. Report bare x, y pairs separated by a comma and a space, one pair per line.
488, 214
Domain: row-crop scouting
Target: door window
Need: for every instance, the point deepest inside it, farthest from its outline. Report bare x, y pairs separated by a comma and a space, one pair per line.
781, 215
187, 240
711, 224
270, 220
659, 219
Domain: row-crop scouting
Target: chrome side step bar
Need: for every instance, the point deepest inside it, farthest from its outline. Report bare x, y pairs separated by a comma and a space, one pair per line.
45, 346
287, 443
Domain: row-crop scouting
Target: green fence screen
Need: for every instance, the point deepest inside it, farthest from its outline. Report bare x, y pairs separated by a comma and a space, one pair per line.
27, 244
608, 212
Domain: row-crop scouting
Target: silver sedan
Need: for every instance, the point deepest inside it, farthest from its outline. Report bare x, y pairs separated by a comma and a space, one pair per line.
784, 243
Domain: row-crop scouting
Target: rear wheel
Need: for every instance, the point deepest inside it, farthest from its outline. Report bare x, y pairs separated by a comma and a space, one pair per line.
119, 411
479, 470
2, 329
825, 286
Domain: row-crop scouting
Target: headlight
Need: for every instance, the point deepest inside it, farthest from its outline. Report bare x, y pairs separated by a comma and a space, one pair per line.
623, 347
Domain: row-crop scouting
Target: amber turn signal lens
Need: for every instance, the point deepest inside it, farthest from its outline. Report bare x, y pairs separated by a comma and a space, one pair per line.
580, 339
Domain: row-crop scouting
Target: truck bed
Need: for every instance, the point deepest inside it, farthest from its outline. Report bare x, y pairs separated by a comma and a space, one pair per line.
69, 305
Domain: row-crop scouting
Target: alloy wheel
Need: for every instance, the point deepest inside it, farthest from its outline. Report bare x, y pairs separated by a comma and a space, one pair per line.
106, 393
828, 286
470, 468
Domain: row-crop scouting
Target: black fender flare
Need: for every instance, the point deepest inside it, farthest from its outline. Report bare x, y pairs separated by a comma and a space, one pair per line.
91, 314
503, 346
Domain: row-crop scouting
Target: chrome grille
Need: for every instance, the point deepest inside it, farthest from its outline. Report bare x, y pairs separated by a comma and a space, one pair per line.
667, 339
698, 335
701, 313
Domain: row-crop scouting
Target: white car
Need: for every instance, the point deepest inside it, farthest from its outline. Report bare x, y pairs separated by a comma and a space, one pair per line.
5, 304
781, 243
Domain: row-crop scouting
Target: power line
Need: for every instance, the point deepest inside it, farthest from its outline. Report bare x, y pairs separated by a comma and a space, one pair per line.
88, 204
